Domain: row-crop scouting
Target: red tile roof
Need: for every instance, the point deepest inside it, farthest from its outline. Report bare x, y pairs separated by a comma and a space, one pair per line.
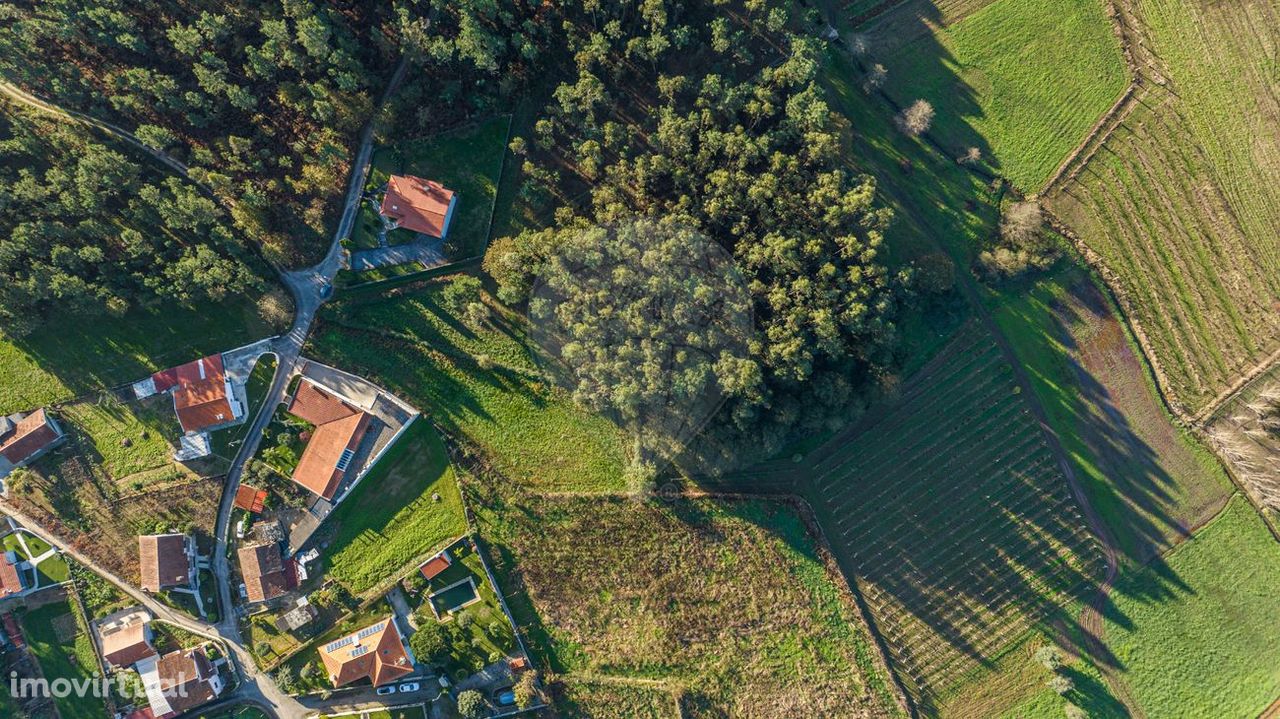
163, 561
435, 565
30, 435
263, 570
339, 427
200, 393
127, 646
417, 204
375, 653
10, 578
184, 679
250, 499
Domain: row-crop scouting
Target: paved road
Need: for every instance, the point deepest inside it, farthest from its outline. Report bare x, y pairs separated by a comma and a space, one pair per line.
308, 287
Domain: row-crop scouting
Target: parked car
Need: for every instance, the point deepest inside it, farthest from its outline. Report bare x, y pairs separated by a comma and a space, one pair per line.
389, 689
505, 697
409, 687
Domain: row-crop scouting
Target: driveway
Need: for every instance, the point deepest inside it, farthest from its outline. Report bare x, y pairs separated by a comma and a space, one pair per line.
429, 252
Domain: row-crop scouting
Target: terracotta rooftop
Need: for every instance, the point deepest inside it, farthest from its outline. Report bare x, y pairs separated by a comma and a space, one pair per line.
10, 577
338, 431
418, 205
127, 645
263, 570
29, 435
374, 652
437, 564
250, 499
184, 676
163, 561
200, 395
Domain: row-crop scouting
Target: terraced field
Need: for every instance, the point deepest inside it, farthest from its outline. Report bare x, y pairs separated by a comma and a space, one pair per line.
1183, 201
951, 513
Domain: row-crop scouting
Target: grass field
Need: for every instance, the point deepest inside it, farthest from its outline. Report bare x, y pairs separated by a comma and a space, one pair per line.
1150, 481
1196, 639
62, 645
391, 520
467, 161
126, 438
72, 355
586, 699
406, 342
1022, 80
949, 509
1184, 200
728, 600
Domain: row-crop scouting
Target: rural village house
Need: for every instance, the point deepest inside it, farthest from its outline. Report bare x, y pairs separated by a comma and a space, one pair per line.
12, 579
375, 653
166, 561
127, 643
25, 437
203, 397
339, 428
419, 205
179, 682
265, 574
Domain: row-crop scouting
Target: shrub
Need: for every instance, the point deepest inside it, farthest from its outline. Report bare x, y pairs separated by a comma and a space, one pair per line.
526, 690
429, 644
1061, 683
471, 705
916, 119
461, 292
1023, 244
1050, 657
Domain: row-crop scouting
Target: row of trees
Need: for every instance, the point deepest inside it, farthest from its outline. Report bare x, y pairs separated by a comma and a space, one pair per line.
86, 227
717, 118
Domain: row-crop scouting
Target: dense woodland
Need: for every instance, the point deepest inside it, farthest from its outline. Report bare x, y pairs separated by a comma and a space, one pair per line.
89, 227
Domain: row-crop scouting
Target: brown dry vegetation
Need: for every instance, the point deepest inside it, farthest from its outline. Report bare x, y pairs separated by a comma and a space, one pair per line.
725, 600
576, 698
1182, 202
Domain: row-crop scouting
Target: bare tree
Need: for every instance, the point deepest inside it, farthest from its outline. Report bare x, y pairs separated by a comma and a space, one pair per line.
1021, 223
916, 119
858, 44
971, 156
875, 78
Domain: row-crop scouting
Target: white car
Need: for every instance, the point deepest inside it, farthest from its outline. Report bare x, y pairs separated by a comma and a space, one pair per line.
409, 687
389, 689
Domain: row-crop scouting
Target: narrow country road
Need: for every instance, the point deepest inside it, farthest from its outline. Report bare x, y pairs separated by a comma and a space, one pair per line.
309, 287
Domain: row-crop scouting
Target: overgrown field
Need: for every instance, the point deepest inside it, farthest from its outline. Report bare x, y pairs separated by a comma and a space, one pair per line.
1183, 201
1195, 633
728, 600
480, 384
1022, 80
126, 438
585, 699
1151, 482
951, 512
61, 643
392, 519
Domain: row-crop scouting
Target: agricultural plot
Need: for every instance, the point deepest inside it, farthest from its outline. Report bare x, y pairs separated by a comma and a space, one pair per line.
953, 516
1021, 80
1195, 633
60, 643
729, 601
1246, 433
1183, 200
1151, 482
480, 384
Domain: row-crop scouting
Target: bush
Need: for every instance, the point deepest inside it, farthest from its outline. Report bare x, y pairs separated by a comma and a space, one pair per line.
916, 119
429, 643
526, 690
462, 291
1050, 657
471, 705
1023, 244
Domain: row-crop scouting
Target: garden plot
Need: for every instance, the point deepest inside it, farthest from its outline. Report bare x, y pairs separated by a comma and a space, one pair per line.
951, 513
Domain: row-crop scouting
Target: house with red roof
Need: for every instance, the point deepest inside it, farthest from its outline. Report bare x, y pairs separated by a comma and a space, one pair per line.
419, 205
203, 397
437, 564
25, 437
179, 681
339, 429
376, 653
166, 561
12, 579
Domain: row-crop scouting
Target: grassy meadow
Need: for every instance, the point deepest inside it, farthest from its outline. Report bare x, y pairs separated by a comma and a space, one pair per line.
1195, 633
586, 699
1183, 201
60, 643
1022, 80
478, 384
391, 520
126, 438
729, 601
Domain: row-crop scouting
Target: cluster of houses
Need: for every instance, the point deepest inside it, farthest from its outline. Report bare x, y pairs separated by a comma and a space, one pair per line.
176, 682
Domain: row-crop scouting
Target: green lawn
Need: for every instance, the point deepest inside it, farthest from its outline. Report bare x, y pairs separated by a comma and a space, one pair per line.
349, 278
226, 442
1196, 632
74, 659
467, 161
127, 437
73, 355
479, 633
1023, 80
480, 385
391, 519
